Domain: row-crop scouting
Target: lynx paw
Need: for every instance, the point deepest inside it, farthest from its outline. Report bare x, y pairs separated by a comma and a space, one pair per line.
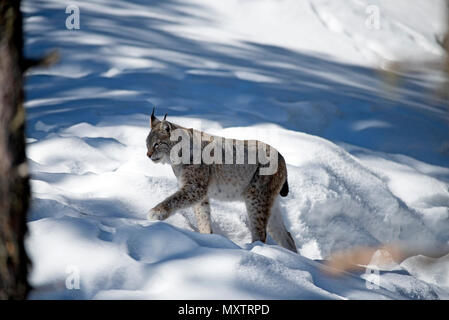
158, 213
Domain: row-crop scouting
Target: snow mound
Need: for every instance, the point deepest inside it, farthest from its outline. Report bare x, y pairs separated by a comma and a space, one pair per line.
431, 270
86, 259
335, 202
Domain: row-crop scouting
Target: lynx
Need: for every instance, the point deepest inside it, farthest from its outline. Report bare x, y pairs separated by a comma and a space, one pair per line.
201, 180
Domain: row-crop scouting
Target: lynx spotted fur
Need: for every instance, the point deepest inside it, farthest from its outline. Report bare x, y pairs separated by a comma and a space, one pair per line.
201, 181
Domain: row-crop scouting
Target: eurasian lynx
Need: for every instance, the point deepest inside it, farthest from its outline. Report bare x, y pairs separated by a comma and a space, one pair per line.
240, 177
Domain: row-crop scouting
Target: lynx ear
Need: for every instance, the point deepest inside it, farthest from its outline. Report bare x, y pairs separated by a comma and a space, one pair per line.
166, 126
153, 119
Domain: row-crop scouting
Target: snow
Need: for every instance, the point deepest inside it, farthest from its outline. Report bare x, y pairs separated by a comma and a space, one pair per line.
367, 164
431, 270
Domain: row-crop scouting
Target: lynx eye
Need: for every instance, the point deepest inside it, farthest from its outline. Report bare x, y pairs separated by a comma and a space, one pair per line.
155, 145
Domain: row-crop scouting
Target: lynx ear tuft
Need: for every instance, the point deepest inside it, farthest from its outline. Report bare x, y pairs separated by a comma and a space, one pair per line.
153, 119
165, 117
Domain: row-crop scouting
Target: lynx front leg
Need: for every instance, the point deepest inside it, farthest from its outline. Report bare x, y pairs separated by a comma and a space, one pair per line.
193, 191
202, 213
159, 212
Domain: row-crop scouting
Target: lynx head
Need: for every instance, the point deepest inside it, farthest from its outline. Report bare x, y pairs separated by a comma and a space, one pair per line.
158, 140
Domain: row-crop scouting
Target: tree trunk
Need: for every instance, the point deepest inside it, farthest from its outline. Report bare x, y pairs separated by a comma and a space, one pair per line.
14, 184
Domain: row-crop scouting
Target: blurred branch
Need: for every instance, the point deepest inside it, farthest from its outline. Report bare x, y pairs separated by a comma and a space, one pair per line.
392, 70
359, 258
46, 61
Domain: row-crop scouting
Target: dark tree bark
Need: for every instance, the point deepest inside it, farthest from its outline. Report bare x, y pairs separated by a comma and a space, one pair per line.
14, 184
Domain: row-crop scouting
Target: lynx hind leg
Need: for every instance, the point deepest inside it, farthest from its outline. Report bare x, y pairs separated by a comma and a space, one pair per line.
276, 229
258, 200
202, 213
258, 215
260, 196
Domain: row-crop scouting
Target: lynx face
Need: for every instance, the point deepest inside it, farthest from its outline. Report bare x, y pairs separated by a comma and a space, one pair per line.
158, 142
